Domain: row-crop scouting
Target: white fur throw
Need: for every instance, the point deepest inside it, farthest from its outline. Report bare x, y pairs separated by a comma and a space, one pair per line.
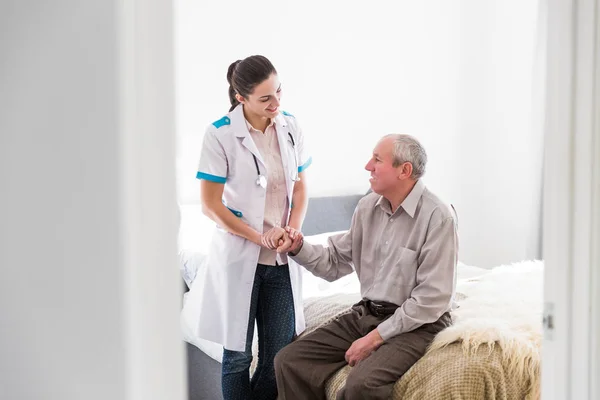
502, 308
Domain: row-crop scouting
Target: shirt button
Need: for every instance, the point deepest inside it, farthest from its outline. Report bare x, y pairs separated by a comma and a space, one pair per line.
387, 242
391, 219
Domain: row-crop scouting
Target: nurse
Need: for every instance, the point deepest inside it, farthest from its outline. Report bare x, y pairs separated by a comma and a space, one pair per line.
252, 182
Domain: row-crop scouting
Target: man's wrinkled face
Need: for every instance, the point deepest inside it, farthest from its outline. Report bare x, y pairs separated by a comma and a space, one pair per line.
384, 176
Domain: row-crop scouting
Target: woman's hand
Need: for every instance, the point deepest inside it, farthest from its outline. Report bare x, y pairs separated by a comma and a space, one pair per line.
272, 237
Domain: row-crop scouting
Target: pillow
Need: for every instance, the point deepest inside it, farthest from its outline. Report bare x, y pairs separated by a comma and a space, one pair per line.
190, 262
194, 238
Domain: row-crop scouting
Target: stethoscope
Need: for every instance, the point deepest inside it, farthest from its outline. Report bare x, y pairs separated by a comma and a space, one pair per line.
261, 180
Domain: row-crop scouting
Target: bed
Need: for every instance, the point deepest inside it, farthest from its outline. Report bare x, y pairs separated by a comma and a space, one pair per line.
491, 352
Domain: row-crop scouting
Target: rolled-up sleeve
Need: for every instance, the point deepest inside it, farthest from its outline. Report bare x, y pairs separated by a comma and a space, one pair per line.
436, 274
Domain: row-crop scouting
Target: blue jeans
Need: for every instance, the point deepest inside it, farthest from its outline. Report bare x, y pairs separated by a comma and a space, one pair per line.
272, 306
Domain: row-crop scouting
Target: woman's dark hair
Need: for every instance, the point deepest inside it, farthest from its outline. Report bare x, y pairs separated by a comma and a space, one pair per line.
244, 75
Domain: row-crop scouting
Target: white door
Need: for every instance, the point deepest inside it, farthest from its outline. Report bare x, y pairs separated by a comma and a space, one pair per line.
570, 366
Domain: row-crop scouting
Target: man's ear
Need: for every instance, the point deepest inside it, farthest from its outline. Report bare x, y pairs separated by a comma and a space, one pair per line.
406, 170
240, 98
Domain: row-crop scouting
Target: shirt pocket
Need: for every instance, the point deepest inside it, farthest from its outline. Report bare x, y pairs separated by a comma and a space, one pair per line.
404, 269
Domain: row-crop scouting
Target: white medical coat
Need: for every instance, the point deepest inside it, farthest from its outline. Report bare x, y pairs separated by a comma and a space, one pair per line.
218, 304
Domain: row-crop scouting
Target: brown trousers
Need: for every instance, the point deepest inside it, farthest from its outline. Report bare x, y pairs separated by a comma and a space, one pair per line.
303, 367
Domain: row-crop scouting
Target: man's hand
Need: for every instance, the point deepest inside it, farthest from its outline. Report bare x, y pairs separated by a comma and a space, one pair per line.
296, 240
363, 347
284, 244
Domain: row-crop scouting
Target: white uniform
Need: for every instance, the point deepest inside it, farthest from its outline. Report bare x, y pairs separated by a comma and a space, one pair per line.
218, 304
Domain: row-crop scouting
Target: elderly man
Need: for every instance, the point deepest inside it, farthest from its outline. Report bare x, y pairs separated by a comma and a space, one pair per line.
403, 244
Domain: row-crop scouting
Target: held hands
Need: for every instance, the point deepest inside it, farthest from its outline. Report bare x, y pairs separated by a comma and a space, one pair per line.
297, 239
282, 240
274, 238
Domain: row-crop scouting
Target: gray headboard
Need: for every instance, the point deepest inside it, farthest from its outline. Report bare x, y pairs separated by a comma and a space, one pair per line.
329, 214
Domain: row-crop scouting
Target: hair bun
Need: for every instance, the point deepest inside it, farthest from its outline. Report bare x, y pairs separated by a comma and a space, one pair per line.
231, 70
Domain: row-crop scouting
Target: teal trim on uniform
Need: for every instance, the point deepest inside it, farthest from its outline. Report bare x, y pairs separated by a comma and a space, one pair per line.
222, 122
209, 177
305, 165
287, 114
235, 212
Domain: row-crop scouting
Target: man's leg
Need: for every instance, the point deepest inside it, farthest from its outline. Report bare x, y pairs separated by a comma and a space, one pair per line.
303, 367
375, 376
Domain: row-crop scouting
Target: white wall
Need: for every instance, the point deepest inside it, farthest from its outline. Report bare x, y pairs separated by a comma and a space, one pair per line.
458, 75
347, 79
89, 287
499, 136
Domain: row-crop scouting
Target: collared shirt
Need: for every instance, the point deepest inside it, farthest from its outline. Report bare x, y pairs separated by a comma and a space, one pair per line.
407, 257
276, 201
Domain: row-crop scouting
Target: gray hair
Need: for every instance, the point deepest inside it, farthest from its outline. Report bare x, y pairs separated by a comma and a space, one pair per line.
409, 149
